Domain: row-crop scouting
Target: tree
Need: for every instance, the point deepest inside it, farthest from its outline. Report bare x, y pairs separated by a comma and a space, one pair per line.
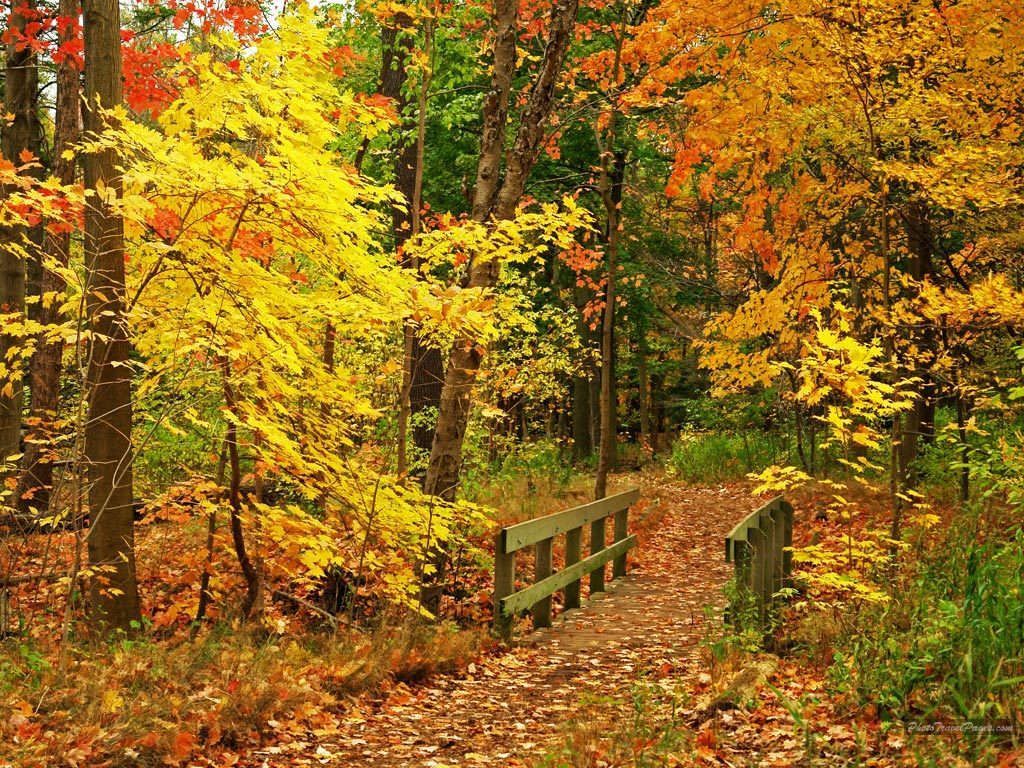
108, 432
21, 135
496, 198
45, 365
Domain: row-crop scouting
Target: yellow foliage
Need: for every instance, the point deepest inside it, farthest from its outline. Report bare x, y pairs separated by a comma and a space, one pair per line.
248, 235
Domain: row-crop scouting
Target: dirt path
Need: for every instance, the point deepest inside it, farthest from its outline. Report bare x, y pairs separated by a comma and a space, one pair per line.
513, 708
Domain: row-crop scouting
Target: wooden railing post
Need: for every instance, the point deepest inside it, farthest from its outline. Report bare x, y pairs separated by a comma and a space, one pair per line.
596, 545
787, 542
778, 546
742, 555
759, 546
542, 569
621, 531
765, 563
573, 553
504, 585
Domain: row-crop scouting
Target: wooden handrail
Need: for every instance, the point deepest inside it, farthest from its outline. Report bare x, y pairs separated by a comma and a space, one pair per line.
760, 548
540, 528
541, 533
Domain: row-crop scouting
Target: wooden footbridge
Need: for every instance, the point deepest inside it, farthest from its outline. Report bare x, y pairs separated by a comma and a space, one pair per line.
664, 547
759, 546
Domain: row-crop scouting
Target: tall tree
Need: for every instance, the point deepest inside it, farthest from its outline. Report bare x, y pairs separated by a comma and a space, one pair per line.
423, 372
613, 168
495, 198
45, 367
21, 138
108, 432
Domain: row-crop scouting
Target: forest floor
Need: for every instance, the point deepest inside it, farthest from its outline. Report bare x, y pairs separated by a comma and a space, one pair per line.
513, 709
645, 674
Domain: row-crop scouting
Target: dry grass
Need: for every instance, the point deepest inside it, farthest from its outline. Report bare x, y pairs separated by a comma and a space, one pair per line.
143, 703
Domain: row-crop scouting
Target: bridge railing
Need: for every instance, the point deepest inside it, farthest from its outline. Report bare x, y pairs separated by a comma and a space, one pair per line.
760, 548
540, 533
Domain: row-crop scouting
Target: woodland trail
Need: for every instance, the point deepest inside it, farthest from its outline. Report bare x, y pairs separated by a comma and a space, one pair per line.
512, 708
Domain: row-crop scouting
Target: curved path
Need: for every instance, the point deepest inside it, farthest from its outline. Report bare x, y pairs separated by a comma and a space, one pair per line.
511, 709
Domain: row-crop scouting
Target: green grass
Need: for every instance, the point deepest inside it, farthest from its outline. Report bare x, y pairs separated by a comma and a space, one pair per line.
951, 641
716, 457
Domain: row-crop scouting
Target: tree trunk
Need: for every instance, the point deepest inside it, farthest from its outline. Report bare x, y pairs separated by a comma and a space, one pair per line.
613, 166
45, 368
612, 195
965, 446
396, 48
919, 422
582, 423
595, 404
495, 198
581, 445
657, 412
21, 134
249, 572
644, 386
108, 433
425, 393
423, 372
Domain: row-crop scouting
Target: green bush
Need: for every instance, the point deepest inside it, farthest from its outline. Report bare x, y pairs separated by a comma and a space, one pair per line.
715, 457
951, 641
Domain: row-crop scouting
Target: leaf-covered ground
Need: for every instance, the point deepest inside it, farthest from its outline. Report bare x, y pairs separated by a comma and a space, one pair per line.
513, 708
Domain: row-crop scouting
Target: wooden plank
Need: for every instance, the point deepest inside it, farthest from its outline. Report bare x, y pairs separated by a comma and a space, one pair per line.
759, 546
741, 529
530, 532
504, 585
778, 534
621, 531
596, 545
573, 553
787, 541
525, 598
765, 564
542, 570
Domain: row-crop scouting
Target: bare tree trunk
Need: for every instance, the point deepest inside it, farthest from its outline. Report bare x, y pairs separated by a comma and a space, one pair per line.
919, 422
611, 194
252, 579
19, 135
424, 373
644, 386
396, 49
657, 412
582, 444
108, 431
205, 596
45, 367
965, 446
613, 166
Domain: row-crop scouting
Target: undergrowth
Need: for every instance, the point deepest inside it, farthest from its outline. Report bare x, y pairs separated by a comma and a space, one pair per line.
716, 457
643, 732
138, 702
950, 642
